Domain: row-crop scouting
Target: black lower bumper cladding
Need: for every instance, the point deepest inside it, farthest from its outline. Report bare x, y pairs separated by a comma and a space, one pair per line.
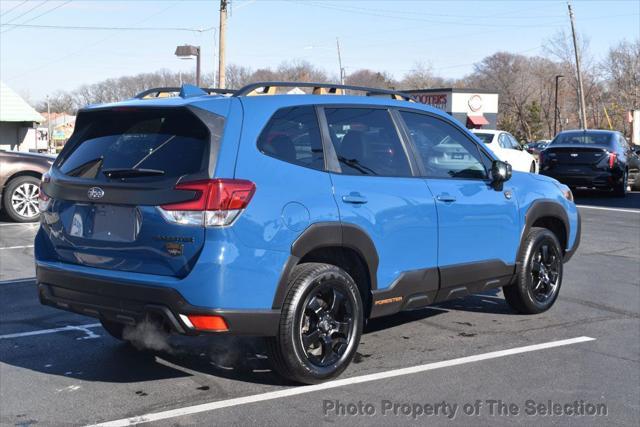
132, 304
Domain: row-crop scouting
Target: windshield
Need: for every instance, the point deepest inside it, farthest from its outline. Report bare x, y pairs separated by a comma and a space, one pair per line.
485, 137
583, 138
138, 144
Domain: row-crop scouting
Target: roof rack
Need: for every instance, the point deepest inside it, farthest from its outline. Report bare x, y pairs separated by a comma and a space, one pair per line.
270, 88
157, 92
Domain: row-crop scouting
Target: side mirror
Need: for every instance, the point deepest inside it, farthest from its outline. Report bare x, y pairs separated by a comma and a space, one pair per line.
500, 172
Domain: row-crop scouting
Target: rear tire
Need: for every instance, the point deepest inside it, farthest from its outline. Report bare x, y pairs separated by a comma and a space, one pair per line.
620, 190
540, 277
320, 325
20, 199
114, 329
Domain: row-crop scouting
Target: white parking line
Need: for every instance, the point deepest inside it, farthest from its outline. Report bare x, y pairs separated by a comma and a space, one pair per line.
16, 247
67, 328
609, 209
190, 410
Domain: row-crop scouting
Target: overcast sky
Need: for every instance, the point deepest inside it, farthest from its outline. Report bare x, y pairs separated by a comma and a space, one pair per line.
383, 35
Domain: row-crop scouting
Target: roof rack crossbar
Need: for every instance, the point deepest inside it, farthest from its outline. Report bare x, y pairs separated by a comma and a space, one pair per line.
157, 91
268, 88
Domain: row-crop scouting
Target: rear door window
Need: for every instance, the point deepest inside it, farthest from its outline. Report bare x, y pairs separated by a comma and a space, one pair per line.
293, 135
143, 144
366, 142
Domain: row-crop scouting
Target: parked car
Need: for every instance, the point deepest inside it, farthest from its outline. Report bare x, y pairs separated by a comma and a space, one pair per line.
20, 175
536, 147
600, 159
508, 149
634, 167
295, 217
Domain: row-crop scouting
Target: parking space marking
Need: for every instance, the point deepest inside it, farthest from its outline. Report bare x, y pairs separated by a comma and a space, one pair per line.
83, 328
609, 209
16, 247
206, 407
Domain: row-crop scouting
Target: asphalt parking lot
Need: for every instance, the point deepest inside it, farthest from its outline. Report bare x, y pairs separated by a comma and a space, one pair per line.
467, 361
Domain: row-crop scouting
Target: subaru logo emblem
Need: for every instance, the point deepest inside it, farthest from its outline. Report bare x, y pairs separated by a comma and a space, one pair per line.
95, 193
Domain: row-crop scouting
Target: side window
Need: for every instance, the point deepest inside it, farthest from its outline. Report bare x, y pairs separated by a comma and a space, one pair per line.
514, 142
366, 142
445, 151
293, 135
503, 140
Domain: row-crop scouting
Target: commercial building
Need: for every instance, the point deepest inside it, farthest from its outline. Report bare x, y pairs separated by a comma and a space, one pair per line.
18, 122
474, 108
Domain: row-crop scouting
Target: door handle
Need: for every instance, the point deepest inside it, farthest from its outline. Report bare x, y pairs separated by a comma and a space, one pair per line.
445, 198
355, 198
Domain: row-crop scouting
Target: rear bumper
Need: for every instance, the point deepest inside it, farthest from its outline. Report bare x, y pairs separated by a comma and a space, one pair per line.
132, 304
603, 180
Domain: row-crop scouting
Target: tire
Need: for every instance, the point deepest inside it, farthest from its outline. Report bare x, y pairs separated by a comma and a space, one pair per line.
532, 169
620, 190
536, 290
20, 199
320, 325
114, 329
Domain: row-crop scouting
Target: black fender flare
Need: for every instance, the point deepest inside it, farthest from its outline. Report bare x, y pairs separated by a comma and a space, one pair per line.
322, 235
546, 208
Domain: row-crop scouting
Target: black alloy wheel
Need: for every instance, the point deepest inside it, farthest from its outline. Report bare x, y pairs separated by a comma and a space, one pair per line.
539, 276
326, 326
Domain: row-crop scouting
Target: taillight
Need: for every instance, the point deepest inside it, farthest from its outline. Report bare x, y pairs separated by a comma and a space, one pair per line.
612, 160
43, 199
216, 202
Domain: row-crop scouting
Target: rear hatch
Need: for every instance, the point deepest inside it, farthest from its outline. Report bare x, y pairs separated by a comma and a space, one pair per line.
106, 187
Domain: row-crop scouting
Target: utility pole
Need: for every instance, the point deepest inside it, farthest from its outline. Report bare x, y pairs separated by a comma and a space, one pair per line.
583, 113
221, 40
556, 111
340, 62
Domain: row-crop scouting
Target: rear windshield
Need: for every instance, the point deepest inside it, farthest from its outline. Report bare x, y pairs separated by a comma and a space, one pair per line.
141, 145
583, 138
485, 137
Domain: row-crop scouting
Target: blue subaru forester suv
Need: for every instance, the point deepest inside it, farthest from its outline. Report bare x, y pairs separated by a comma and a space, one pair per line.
292, 217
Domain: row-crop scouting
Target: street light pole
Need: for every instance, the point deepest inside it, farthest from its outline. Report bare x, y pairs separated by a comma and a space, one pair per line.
556, 113
198, 66
48, 125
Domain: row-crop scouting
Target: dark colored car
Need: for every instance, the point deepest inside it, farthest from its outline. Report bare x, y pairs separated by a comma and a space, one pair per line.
537, 146
599, 159
20, 175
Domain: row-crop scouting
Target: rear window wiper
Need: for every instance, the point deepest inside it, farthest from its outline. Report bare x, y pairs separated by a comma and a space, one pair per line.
131, 172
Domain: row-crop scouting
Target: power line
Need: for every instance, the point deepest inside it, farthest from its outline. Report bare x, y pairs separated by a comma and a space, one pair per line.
34, 18
29, 10
77, 27
13, 8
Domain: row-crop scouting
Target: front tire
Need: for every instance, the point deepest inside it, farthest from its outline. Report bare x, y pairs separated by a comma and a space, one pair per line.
532, 169
20, 199
320, 325
540, 277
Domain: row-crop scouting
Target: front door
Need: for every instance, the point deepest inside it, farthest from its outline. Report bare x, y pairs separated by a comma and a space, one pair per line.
478, 225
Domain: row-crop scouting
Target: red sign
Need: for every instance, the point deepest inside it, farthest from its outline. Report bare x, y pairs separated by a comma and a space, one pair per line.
437, 101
